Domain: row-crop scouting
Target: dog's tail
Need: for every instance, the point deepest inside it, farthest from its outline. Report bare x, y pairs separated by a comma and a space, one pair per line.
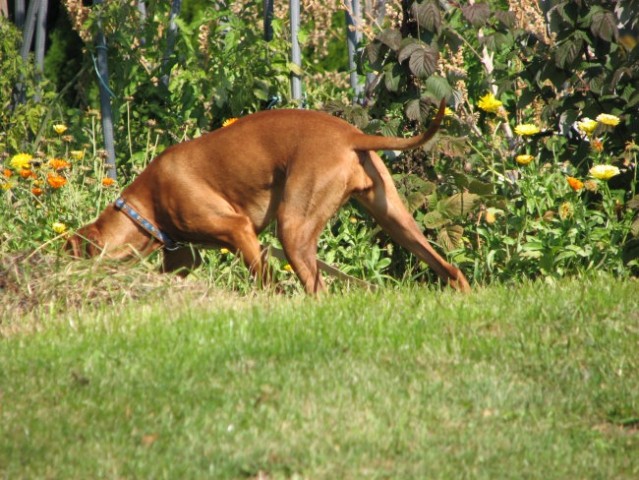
373, 142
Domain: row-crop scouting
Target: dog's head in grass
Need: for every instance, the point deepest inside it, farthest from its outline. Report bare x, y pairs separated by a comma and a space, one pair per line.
85, 243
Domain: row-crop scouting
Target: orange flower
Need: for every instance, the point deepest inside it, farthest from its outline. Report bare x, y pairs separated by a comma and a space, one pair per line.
27, 174
56, 181
37, 191
58, 163
7, 173
575, 183
229, 121
597, 145
107, 181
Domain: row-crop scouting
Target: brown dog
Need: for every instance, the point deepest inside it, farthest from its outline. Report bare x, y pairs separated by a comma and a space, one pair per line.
223, 188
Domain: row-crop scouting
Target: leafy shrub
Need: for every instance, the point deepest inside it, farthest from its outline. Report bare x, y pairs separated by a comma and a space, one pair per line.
497, 190
506, 72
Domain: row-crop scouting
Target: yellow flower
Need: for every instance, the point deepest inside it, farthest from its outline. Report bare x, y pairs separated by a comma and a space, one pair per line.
488, 103
604, 172
449, 112
527, 129
229, 121
6, 186
575, 183
524, 159
77, 154
606, 119
224, 251
288, 267
491, 215
21, 160
587, 125
59, 227
59, 128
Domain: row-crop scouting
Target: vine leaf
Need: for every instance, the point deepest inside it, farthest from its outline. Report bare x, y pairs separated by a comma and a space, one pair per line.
390, 37
477, 14
422, 58
439, 87
568, 52
434, 220
604, 25
427, 15
458, 204
450, 237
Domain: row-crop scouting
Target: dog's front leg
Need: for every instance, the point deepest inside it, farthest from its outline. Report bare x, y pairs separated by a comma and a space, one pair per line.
182, 260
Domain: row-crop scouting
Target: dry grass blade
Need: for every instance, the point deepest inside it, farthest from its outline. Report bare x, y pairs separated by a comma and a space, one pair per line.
44, 285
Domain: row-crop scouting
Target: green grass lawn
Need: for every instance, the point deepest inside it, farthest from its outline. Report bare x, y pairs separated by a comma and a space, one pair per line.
534, 381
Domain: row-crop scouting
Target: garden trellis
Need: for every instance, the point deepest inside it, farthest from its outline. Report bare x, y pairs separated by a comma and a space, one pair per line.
32, 23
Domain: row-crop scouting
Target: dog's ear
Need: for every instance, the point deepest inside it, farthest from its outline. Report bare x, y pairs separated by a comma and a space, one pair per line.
85, 243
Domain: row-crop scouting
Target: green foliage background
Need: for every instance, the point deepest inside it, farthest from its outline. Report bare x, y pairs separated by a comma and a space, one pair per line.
499, 220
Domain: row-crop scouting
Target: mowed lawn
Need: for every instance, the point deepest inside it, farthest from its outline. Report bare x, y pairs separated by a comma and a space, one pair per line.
535, 381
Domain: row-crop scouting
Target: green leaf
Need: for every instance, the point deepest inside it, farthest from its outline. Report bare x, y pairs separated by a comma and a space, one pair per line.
481, 188
390, 128
477, 14
409, 46
507, 19
568, 51
413, 110
450, 237
390, 37
435, 220
295, 69
423, 62
392, 77
373, 54
417, 109
604, 25
428, 15
458, 204
438, 87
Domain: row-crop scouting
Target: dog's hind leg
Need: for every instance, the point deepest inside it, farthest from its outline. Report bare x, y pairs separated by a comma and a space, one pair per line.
384, 203
299, 241
308, 202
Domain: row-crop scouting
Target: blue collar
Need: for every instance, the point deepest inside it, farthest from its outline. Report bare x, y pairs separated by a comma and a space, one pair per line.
147, 226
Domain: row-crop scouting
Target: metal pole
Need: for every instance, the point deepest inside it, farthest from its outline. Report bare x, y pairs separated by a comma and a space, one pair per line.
19, 13
40, 30
19, 95
353, 38
268, 20
170, 40
40, 38
105, 98
29, 27
296, 53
